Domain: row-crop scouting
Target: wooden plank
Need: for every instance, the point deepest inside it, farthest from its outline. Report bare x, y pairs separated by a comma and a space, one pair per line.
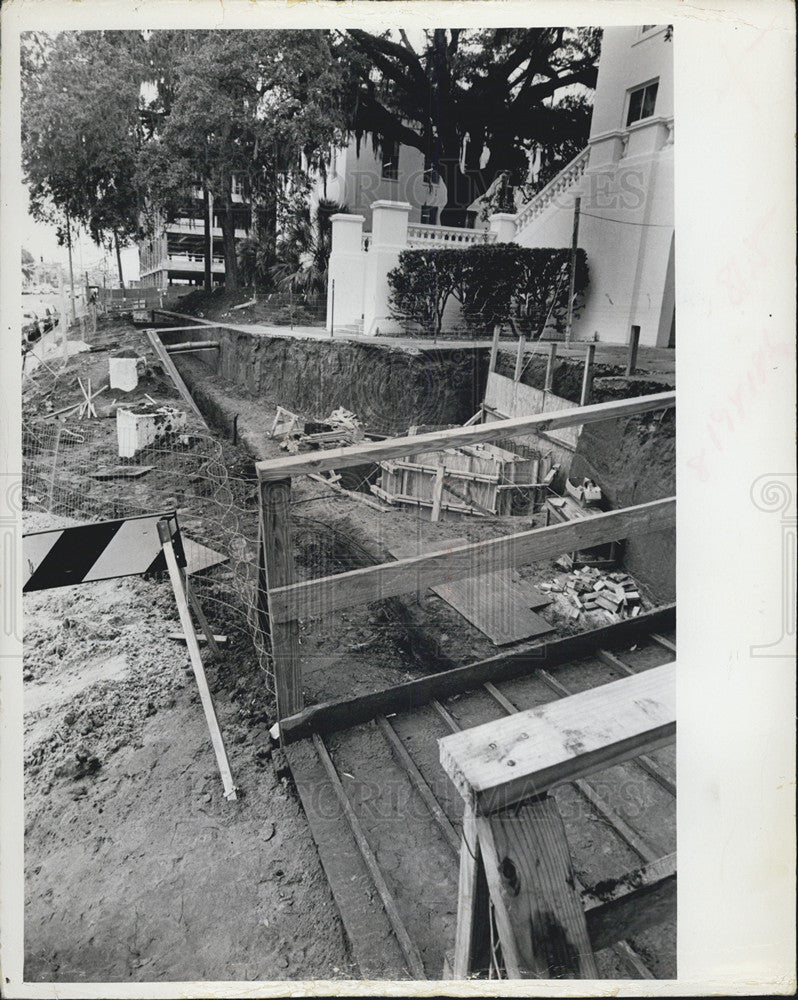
418, 781
374, 946
467, 903
196, 663
519, 358
587, 375
494, 603
409, 949
314, 598
343, 713
278, 563
533, 890
508, 760
455, 437
437, 492
639, 900
641, 847
665, 643
171, 370
552, 353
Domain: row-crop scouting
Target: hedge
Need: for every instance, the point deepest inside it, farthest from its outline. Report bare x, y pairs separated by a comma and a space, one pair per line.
492, 283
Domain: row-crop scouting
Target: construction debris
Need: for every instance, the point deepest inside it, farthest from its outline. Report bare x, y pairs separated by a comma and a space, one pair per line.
295, 433
136, 428
588, 589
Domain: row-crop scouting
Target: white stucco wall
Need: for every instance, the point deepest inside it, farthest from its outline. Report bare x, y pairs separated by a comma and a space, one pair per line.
627, 214
355, 179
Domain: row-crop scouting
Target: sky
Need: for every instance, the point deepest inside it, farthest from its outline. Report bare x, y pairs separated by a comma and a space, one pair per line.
40, 239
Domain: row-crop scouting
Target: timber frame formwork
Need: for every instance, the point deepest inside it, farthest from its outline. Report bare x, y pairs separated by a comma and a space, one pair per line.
283, 602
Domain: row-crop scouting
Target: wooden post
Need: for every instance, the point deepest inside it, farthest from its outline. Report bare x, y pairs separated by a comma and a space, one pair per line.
196, 661
469, 917
278, 569
437, 490
550, 367
587, 375
494, 348
539, 912
572, 282
631, 357
519, 358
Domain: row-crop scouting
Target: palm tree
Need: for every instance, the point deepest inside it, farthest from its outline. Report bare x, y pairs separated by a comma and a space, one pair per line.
303, 250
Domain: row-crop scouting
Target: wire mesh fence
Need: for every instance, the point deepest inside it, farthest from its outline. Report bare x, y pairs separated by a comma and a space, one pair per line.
74, 474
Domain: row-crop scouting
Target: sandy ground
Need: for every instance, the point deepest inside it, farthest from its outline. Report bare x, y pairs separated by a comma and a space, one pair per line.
136, 866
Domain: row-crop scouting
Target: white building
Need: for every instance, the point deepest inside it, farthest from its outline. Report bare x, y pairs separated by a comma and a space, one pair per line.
623, 179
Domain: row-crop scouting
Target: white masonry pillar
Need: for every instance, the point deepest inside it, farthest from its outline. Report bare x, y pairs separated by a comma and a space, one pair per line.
388, 239
346, 271
503, 224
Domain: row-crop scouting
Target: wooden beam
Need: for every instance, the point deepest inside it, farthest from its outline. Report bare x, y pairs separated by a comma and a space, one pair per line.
313, 598
409, 949
470, 915
457, 437
171, 370
407, 697
278, 569
639, 900
539, 912
437, 491
510, 759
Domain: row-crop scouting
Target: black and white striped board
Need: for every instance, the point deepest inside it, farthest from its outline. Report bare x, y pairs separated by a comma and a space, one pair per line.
102, 550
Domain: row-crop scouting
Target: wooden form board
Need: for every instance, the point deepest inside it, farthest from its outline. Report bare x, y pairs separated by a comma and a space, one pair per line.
342, 713
493, 602
378, 451
515, 399
313, 598
526, 754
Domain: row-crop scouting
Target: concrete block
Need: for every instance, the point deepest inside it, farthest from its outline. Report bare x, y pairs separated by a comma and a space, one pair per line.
135, 430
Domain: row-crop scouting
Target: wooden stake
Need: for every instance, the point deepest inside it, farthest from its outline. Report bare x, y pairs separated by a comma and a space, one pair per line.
572, 282
587, 375
519, 358
631, 357
196, 661
494, 348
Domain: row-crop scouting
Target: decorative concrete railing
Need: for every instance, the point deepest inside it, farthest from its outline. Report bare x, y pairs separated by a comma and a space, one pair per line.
558, 185
422, 236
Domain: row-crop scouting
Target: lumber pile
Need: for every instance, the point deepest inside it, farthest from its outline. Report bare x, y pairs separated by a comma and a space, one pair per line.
611, 596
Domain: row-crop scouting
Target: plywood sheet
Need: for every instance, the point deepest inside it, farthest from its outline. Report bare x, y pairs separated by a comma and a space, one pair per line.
492, 602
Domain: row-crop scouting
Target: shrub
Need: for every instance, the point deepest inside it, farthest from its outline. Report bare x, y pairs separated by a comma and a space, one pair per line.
422, 284
493, 283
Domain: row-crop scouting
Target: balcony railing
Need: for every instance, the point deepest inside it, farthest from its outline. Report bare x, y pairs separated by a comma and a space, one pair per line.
419, 235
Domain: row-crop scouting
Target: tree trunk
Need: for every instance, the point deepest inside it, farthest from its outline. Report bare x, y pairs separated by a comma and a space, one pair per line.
229, 238
208, 231
461, 189
119, 260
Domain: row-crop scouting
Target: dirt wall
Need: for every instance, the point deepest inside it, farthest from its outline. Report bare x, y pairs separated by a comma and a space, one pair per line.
388, 388
634, 461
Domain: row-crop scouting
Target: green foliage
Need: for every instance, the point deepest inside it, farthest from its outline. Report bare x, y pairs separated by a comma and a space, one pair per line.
492, 283
303, 248
81, 130
474, 102
423, 283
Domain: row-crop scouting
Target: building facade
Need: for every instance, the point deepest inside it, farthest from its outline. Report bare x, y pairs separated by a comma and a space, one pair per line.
622, 184
176, 254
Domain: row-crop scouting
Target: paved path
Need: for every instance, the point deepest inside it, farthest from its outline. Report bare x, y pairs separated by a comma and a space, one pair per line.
652, 359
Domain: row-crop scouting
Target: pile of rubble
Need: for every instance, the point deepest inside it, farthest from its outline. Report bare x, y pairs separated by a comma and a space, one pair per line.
613, 595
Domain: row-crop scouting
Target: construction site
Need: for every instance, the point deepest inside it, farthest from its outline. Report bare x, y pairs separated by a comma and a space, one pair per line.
425, 596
